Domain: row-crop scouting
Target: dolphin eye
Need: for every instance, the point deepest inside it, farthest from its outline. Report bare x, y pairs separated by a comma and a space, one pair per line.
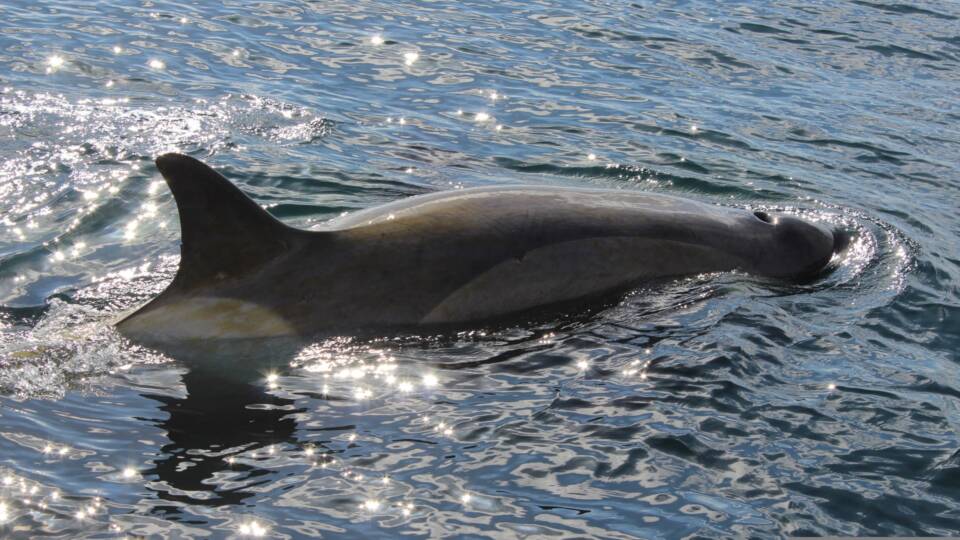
763, 216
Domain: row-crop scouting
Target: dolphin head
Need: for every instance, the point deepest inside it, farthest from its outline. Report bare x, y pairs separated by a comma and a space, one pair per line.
789, 247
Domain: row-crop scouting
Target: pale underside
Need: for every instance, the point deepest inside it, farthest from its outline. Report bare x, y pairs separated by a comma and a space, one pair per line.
208, 317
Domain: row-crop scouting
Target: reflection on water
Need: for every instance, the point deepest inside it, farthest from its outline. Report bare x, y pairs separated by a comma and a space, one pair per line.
227, 417
219, 418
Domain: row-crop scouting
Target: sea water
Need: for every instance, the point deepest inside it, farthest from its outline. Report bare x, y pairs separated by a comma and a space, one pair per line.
708, 406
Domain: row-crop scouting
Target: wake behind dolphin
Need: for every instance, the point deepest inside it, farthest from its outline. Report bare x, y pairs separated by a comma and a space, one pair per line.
444, 259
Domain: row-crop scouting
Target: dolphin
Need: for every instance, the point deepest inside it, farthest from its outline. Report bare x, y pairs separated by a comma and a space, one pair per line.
443, 260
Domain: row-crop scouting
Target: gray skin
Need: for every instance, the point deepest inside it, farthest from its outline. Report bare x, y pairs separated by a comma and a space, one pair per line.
447, 259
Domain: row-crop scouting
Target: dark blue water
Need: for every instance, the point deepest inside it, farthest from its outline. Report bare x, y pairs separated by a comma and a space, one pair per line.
714, 406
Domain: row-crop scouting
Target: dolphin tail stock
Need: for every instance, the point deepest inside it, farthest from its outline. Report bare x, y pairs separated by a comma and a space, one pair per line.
223, 231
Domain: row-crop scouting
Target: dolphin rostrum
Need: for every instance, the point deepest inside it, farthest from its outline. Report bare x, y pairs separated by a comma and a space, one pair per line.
444, 259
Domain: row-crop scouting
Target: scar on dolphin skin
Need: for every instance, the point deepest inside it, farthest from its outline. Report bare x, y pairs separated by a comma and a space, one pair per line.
444, 259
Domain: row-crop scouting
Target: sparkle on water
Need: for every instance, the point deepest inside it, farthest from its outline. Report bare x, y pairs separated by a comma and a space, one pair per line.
253, 528
703, 406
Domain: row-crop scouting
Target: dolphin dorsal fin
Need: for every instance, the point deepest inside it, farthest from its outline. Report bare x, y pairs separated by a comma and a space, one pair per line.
223, 231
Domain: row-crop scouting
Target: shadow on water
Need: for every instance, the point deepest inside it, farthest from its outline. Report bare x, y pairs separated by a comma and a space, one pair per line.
226, 411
